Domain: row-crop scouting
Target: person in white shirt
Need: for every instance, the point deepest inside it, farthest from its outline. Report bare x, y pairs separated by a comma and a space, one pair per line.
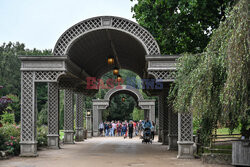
101, 127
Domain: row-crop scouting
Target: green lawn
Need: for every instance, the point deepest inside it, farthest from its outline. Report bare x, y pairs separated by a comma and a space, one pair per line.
225, 131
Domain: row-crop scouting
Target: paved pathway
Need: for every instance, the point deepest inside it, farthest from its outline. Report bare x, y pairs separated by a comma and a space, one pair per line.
106, 152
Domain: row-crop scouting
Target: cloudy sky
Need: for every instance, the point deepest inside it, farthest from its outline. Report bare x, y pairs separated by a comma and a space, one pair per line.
39, 23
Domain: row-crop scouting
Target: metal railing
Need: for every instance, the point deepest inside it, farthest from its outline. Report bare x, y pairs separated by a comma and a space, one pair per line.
218, 143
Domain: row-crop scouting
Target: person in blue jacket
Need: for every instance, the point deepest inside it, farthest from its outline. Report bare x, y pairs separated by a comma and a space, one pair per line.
124, 130
147, 124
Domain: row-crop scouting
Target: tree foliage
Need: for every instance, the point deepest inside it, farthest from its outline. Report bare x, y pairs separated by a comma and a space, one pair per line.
215, 84
10, 66
138, 114
11, 77
180, 25
120, 110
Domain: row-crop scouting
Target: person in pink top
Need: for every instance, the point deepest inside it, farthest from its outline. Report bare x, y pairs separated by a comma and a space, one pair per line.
126, 124
119, 128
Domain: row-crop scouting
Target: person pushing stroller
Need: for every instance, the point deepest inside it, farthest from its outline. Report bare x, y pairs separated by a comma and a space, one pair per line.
147, 131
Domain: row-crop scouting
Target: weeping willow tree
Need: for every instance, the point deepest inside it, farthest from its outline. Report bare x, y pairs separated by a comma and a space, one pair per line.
214, 85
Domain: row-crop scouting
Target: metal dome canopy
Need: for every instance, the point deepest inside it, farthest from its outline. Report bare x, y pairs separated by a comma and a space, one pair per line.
88, 44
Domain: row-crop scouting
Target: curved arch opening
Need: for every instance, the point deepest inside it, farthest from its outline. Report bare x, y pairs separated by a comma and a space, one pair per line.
91, 50
128, 78
125, 110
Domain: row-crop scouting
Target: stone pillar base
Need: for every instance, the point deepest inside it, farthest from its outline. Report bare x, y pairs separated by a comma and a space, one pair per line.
68, 137
172, 139
85, 134
79, 134
89, 134
185, 150
28, 149
53, 141
164, 137
159, 135
95, 134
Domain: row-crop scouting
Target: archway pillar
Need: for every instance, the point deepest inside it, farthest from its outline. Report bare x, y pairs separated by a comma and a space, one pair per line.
68, 116
53, 115
95, 120
98, 105
163, 68
28, 143
163, 117
146, 113
173, 128
152, 113
33, 70
185, 136
79, 117
149, 108
165, 120
160, 118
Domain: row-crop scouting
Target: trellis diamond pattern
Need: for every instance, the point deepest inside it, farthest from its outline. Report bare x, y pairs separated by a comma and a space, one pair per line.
160, 112
27, 114
53, 108
79, 110
164, 74
95, 23
73, 32
165, 115
139, 32
47, 75
186, 127
173, 121
68, 110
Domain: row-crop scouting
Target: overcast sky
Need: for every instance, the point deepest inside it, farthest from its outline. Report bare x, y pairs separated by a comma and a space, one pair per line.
39, 23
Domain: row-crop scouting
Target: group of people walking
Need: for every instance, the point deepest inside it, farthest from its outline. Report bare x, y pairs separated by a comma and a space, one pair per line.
125, 128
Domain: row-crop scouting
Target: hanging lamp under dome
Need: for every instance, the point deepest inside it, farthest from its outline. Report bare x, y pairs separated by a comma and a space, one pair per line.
115, 71
119, 78
123, 99
111, 60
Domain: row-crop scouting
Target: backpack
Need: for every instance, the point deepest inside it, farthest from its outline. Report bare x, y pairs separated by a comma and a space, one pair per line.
124, 128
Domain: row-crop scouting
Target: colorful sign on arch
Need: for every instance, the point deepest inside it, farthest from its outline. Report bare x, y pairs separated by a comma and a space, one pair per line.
110, 83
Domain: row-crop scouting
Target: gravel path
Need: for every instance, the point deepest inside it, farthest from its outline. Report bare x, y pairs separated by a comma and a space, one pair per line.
106, 152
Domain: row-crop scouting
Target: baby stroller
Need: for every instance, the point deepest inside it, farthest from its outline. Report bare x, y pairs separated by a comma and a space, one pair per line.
147, 138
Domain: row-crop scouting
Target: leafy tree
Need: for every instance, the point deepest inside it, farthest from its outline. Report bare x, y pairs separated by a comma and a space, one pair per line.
42, 97
180, 25
121, 110
10, 66
15, 106
7, 117
43, 115
4, 102
10, 74
138, 114
215, 84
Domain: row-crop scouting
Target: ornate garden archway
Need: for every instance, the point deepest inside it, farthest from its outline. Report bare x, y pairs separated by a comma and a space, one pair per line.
81, 52
148, 105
